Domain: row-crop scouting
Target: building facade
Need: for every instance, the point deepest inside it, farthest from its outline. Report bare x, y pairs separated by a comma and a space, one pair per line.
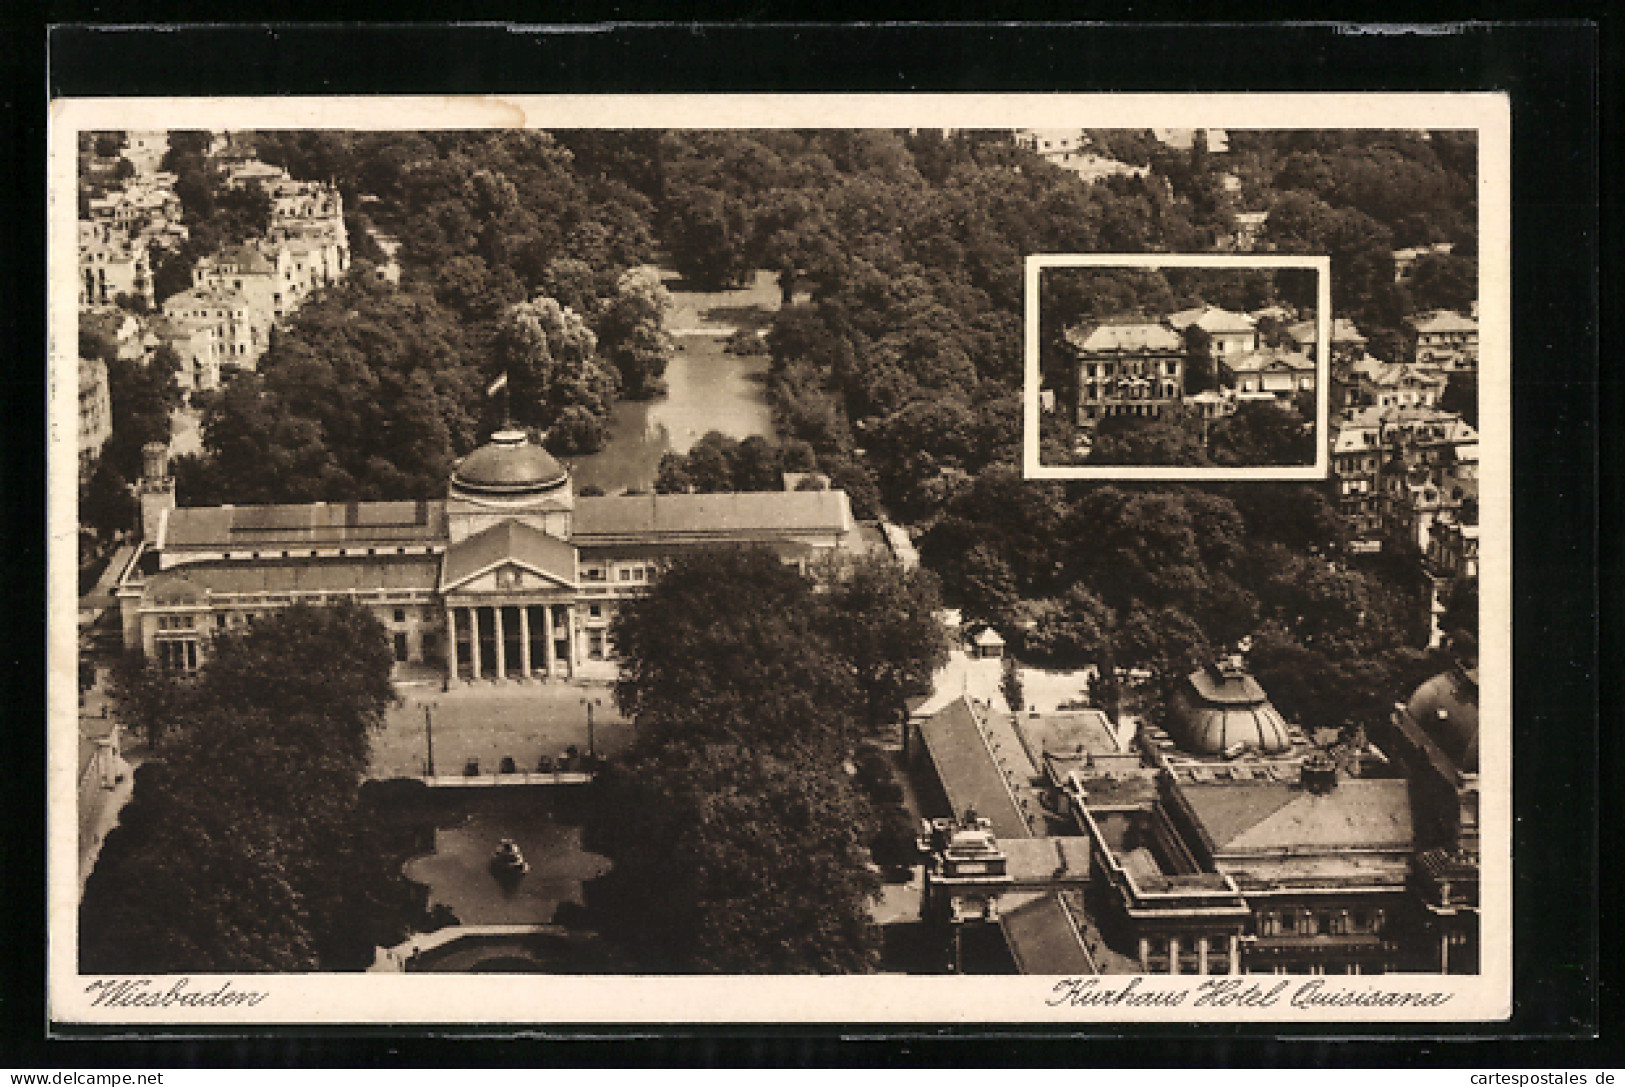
1446, 340
1276, 371
1221, 839
1229, 333
1127, 367
110, 265
95, 414
508, 577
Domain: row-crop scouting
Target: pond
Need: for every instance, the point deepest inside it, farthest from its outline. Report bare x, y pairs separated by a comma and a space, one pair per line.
707, 388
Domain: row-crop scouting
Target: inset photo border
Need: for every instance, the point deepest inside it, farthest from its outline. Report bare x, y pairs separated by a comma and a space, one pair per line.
1032, 414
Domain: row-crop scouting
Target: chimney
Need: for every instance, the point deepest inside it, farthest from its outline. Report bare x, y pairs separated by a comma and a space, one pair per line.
1319, 773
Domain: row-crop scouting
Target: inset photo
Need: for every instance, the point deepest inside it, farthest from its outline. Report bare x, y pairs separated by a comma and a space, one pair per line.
1169, 366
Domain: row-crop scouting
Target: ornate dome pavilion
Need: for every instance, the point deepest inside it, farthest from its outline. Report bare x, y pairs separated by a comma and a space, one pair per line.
1446, 708
1221, 708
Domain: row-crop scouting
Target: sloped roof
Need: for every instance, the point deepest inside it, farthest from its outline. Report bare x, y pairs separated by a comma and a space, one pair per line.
512, 541
1445, 321
333, 575
1263, 816
1308, 332
1126, 335
967, 773
1271, 359
247, 258
754, 513
1217, 319
306, 525
1446, 708
1043, 938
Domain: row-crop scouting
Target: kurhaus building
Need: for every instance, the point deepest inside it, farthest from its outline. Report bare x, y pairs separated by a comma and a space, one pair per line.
511, 575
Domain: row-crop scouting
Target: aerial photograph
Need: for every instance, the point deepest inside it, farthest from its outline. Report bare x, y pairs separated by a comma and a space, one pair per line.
607, 551
1201, 367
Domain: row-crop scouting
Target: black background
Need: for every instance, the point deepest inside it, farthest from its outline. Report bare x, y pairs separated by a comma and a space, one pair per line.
1555, 82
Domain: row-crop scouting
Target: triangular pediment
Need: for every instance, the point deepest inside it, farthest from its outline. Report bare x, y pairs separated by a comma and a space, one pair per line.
511, 577
508, 557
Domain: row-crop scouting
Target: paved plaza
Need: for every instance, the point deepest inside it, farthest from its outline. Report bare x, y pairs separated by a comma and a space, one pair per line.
493, 720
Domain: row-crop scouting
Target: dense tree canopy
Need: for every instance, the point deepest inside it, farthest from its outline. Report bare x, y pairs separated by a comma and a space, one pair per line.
750, 690
758, 862
245, 846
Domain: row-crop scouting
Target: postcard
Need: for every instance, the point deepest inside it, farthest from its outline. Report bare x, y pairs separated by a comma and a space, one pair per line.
869, 559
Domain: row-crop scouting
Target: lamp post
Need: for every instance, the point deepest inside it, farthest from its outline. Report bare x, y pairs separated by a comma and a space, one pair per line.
592, 749
428, 731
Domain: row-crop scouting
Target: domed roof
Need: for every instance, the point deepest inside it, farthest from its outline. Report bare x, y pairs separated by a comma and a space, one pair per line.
1218, 709
508, 465
1446, 708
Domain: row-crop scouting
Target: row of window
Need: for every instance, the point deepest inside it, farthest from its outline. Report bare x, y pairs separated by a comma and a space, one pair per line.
1166, 391
1137, 369
627, 574
1319, 922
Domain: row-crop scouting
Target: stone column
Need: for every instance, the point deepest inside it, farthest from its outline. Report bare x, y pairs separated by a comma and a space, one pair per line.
474, 640
1235, 954
502, 649
524, 640
1201, 955
1145, 955
451, 643
1444, 953
1173, 954
547, 638
570, 637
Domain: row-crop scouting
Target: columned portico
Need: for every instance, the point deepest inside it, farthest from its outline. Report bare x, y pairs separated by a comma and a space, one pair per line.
510, 639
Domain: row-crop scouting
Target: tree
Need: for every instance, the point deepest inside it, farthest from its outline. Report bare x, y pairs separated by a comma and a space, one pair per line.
551, 359
1444, 281
1461, 396
1127, 439
1072, 630
632, 333
707, 236
1461, 608
245, 846
1261, 433
759, 862
142, 396
1200, 372
105, 502
731, 647
884, 619
331, 664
